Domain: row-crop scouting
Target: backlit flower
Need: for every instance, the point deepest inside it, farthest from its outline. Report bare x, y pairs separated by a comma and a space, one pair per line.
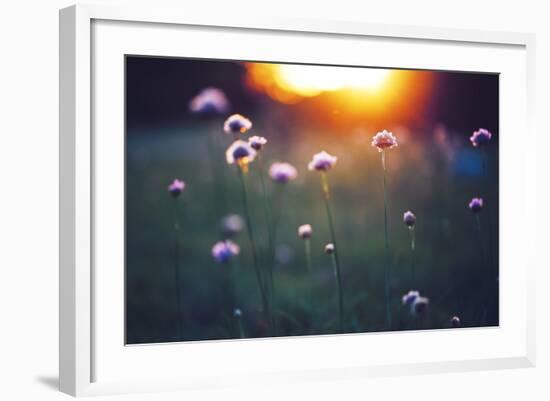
223, 251
231, 225
240, 152
409, 218
257, 142
176, 187
455, 321
480, 137
322, 161
236, 124
384, 140
329, 249
476, 204
237, 313
209, 101
305, 231
410, 297
282, 172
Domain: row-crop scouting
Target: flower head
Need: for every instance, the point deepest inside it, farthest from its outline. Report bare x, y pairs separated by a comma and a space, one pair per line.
231, 225
420, 305
480, 137
237, 313
322, 161
236, 124
240, 152
329, 249
305, 231
409, 218
410, 297
384, 140
282, 172
176, 188
476, 204
455, 321
223, 251
209, 101
257, 142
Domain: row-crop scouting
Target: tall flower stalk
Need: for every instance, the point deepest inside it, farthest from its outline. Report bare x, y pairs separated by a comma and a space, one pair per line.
384, 141
322, 162
410, 220
175, 189
242, 154
304, 232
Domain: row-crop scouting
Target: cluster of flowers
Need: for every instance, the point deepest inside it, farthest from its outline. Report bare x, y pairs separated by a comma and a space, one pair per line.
243, 152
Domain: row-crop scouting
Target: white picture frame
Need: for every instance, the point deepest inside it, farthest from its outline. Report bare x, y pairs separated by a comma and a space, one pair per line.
78, 164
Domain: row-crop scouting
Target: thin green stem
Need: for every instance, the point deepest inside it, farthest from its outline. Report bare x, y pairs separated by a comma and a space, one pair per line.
326, 197
253, 244
177, 267
386, 248
413, 245
270, 241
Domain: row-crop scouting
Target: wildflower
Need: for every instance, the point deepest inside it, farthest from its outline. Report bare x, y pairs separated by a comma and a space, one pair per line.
420, 305
236, 124
305, 231
384, 140
455, 321
209, 101
223, 251
282, 172
409, 218
322, 161
237, 313
410, 297
329, 249
480, 137
176, 188
257, 142
240, 152
476, 204
231, 225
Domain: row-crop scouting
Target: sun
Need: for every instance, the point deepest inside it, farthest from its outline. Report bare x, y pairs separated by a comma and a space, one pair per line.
313, 80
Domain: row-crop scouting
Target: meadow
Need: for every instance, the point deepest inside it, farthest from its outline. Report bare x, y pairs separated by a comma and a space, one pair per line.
279, 282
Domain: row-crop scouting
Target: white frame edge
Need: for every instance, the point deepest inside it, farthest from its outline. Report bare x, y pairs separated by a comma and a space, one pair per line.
75, 278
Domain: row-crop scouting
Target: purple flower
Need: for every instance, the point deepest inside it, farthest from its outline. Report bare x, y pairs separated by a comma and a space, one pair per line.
209, 101
257, 142
176, 188
420, 305
476, 204
223, 251
305, 231
409, 218
480, 137
240, 152
282, 172
322, 161
455, 321
237, 124
231, 225
329, 249
384, 140
410, 297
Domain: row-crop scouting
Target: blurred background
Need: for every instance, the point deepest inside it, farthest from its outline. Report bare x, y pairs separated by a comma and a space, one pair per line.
302, 110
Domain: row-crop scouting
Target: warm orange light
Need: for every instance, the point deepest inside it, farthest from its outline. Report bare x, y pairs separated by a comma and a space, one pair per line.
381, 95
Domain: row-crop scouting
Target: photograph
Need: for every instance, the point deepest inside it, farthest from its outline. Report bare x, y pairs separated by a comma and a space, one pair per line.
269, 199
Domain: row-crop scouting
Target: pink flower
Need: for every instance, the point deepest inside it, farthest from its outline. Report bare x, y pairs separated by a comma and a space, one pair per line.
322, 161
480, 137
305, 231
209, 101
224, 251
240, 152
282, 172
176, 187
257, 142
237, 124
384, 140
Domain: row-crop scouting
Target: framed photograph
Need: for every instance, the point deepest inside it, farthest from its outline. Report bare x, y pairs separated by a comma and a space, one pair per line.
268, 201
